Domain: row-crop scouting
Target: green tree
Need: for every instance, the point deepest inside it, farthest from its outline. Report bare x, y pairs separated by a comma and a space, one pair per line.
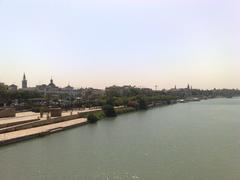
109, 110
142, 104
4, 96
92, 118
110, 101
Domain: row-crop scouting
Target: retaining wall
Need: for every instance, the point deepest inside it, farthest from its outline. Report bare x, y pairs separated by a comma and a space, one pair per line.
39, 123
7, 112
42, 134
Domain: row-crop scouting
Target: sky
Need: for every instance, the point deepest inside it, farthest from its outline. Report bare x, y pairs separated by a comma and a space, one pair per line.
99, 43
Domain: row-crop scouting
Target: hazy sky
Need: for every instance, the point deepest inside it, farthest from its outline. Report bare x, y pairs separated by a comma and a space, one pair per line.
104, 42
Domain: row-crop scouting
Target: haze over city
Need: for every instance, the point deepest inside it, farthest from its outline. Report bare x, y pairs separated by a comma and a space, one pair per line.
119, 89
101, 43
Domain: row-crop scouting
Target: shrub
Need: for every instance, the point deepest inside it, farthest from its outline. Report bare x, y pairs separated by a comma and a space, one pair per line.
125, 110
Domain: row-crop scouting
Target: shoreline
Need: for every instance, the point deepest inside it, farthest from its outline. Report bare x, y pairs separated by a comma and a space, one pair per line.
51, 126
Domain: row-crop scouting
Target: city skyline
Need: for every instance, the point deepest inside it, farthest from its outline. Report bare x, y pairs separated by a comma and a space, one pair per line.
25, 85
102, 43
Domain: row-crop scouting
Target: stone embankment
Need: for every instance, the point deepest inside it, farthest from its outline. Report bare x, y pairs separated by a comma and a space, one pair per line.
7, 112
21, 135
29, 125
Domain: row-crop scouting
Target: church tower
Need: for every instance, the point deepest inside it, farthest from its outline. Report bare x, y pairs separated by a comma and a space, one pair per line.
24, 82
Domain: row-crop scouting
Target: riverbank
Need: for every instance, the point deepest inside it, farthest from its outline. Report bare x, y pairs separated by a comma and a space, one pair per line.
26, 134
25, 130
20, 129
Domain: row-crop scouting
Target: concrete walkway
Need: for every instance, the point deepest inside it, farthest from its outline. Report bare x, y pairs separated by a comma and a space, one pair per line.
28, 133
40, 130
26, 116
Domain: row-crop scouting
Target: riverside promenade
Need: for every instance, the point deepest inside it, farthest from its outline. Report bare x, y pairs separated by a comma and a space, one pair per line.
20, 118
29, 125
15, 136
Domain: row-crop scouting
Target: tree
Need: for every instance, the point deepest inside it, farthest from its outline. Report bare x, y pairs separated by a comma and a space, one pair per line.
142, 104
110, 101
92, 118
3, 93
109, 110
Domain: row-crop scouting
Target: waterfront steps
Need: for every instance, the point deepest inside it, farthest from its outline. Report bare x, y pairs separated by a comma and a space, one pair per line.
24, 127
16, 136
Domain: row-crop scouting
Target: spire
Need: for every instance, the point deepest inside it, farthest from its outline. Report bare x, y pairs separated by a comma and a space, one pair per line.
24, 82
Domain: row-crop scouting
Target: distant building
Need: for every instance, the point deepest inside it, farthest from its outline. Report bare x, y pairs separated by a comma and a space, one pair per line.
41, 87
24, 82
12, 87
51, 84
117, 90
90, 93
188, 91
68, 88
51, 88
126, 91
2, 85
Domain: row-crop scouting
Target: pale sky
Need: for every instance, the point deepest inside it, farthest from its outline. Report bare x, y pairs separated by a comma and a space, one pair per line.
98, 43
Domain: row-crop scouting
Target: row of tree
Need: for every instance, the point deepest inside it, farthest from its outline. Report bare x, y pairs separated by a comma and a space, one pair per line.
7, 97
115, 96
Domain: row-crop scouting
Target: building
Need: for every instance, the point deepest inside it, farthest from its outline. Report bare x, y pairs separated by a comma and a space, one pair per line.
51, 88
24, 82
118, 90
12, 87
69, 90
127, 91
89, 93
2, 84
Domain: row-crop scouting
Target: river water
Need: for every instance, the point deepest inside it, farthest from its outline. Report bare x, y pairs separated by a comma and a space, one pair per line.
193, 141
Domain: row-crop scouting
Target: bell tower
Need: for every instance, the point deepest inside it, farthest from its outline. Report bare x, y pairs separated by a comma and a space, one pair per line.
24, 82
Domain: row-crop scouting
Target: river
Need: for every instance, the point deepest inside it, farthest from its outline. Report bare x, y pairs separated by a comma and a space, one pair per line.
192, 141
